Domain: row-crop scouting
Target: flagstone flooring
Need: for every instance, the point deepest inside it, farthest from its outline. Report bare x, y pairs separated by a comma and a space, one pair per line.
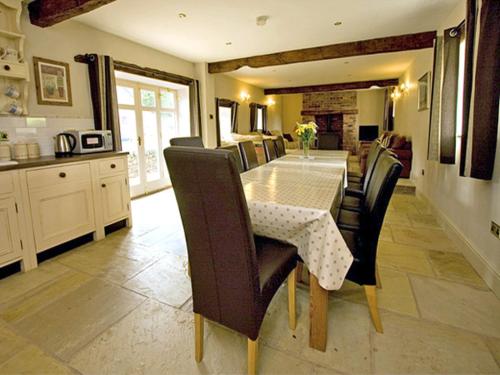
123, 306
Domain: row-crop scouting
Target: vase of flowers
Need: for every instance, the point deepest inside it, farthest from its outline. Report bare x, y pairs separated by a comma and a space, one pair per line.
306, 133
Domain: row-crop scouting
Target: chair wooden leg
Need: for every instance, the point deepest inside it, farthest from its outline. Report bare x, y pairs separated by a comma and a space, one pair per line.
252, 356
198, 337
377, 278
371, 297
292, 317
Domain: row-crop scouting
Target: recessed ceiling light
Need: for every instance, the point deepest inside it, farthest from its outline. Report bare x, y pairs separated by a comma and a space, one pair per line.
229, 43
338, 23
261, 20
182, 15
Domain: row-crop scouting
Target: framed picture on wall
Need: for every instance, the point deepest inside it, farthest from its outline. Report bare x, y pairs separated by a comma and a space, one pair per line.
424, 91
52, 80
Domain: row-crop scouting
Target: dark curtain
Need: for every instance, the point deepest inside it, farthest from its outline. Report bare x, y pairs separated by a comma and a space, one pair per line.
234, 117
194, 108
433, 145
482, 121
388, 124
253, 117
103, 93
449, 94
264, 118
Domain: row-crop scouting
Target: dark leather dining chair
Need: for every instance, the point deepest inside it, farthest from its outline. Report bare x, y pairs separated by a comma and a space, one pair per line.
354, 196
328, 141
236, 152
269, 150
248, 155
362, 231
279, 143
358, 177
187, 141
234, 273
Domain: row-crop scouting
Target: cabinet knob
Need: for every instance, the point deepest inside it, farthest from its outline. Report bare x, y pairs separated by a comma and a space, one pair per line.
113, 166
62, 174
103, 185
6, 67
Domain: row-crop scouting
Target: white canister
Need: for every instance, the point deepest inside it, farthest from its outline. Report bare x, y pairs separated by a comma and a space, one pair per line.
4, 151
33, 150
20, 151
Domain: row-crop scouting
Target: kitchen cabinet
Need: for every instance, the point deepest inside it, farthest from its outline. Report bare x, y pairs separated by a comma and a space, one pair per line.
115, 198
10, 240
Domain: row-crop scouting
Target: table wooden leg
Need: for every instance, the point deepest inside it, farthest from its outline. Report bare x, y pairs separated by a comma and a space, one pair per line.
318, 314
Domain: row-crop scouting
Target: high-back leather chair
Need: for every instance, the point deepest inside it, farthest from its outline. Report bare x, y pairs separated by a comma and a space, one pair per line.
269, 150
187, 141
279, 143
248, 155
328, 141
234, 274
373, 152
363, 240
236, 152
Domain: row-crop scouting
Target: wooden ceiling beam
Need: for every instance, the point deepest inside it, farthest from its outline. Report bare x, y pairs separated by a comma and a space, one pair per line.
396, 43
46, 13
333, 87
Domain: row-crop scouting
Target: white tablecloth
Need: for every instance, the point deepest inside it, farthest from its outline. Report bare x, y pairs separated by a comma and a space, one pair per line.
294, 202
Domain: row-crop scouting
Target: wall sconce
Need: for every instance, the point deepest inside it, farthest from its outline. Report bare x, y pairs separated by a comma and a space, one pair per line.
244, 96
270, 102
401, 90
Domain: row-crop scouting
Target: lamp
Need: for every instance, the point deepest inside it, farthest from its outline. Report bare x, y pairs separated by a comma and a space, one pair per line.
270, 102
244, 96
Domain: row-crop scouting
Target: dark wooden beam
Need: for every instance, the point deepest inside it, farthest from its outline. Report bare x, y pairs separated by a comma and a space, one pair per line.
396, 43
46, 13
333, 87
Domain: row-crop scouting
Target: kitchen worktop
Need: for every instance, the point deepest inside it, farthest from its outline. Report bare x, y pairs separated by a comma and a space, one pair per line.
52, 160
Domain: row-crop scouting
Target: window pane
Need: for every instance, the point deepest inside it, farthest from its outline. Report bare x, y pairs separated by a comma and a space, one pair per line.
225, 123
167, 99
168, 128
148, 98
128, 130
151, 145
260, 115
125, 95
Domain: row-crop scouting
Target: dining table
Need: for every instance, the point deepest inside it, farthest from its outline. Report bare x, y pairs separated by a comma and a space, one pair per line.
297, 199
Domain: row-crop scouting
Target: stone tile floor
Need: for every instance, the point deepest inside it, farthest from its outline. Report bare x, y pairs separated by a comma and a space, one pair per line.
123, 306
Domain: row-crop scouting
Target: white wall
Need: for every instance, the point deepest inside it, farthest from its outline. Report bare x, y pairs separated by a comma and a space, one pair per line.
467, 205
371, 107
291, 107
230, 88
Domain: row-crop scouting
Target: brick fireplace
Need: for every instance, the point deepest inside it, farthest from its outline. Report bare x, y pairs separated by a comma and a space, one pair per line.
335, 112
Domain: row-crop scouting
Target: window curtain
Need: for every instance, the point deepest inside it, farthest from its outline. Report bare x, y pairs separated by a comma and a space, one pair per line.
103, 93
449, 94
234, 117
481, 89
253, 117
433, 146
388, 124
264, 118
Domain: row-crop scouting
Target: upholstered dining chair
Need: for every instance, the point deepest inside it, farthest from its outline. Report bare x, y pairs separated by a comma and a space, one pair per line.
248, 155
354, 195
236, 152
269, 150
234, 273
279, 143
187, 141
362, 230
357, 177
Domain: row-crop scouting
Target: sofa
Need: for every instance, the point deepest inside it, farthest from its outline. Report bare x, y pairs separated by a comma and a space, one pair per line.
400, 145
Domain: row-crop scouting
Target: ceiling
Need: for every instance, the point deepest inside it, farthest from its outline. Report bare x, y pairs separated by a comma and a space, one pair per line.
202, 35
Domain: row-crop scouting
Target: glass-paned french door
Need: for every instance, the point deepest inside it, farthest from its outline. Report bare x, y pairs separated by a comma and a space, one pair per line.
148, 120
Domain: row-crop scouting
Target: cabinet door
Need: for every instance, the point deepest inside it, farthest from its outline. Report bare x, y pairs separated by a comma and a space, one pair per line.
115, 198
61, 213
10, 242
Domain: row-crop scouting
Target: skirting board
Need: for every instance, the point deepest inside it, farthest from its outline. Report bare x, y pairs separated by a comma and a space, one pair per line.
482, 267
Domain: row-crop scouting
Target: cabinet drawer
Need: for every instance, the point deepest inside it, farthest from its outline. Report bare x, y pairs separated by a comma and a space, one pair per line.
6, 183
112, 166
58, 175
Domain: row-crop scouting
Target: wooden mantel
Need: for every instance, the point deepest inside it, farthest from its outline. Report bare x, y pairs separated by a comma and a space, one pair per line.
46, 13
329, 112
395, 43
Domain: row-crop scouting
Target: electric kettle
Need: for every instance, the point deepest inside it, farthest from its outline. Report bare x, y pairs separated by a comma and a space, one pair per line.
64, 144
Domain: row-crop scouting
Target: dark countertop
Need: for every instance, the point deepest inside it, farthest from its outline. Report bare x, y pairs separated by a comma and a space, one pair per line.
52, 160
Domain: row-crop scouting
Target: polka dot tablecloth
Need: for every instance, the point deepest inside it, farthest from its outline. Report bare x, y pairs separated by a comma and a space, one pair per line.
297, 203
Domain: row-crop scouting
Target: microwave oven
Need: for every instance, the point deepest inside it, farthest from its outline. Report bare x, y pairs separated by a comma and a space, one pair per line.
89, 141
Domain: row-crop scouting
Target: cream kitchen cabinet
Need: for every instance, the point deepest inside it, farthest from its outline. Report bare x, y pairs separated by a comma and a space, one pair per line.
49, 202
11, 247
